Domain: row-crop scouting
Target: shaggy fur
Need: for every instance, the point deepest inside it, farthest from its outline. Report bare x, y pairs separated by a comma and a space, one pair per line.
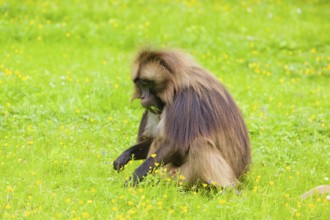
200, 131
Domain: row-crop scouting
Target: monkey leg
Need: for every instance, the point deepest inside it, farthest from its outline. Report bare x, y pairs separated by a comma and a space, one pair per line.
206, 164
153, 148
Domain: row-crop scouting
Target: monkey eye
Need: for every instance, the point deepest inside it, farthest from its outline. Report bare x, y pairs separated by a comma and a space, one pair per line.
143, 83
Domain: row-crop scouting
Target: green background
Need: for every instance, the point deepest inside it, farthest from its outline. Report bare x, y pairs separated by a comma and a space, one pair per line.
65, 113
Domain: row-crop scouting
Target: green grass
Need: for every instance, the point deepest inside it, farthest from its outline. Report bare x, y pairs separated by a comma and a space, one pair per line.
65, 113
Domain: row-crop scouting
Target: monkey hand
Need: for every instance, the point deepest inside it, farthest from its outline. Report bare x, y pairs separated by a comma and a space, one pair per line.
121, 161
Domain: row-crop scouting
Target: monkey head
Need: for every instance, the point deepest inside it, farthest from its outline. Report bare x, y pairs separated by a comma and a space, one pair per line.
152, 77
164, 73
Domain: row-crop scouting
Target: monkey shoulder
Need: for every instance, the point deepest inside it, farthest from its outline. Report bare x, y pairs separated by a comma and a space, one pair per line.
202, 103
198, 113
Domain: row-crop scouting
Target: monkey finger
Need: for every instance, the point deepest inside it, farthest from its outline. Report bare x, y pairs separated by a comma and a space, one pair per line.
132, 181
127, 183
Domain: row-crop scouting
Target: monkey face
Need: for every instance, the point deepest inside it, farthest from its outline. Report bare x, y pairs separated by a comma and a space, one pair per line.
148, 97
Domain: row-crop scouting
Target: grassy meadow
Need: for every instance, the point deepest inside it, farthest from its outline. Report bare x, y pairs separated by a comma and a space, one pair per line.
65, 111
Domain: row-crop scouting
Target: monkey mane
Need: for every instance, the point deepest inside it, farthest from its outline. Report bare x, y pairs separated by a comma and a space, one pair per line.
181, 72
193, 116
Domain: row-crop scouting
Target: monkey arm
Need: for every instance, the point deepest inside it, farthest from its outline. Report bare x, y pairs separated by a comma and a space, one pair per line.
136, 152
163, 156
142, 126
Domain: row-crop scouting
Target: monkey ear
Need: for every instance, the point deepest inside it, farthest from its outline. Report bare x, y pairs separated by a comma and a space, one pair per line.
171, 60
164, 64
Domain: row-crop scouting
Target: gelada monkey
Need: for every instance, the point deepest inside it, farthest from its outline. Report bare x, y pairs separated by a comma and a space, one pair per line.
190, 125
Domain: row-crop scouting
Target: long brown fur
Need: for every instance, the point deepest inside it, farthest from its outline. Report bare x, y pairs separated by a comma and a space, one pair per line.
200, 119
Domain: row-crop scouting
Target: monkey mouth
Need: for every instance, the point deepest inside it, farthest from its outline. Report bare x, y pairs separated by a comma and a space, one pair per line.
154, 110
